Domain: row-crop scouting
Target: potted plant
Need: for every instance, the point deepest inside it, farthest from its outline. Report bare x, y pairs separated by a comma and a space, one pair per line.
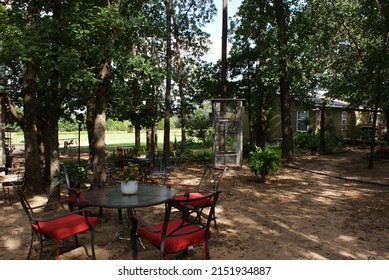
264, 162
128, 177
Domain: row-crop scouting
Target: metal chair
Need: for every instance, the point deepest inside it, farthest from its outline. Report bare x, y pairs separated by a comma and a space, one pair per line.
57, 227
162, 169
80, 179
12, 180
178, 234
210, 182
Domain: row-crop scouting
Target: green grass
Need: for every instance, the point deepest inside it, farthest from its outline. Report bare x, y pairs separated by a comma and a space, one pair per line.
112, 138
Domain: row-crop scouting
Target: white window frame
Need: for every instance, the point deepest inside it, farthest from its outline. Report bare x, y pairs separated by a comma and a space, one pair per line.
301, 117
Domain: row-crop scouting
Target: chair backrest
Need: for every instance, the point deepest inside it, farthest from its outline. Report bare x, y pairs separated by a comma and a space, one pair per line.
193, 212
25, 204
211, 179
79, 176
122, 151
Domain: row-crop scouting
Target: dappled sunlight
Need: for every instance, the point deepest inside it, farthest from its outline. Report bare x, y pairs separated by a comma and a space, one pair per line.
346, 238
309, 212
12, 243
296, 217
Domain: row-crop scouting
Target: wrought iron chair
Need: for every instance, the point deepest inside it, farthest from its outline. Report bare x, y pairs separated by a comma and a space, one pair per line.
15, 179
178, 234
82, 178
160, 170
210, 182
79, 179
57, 227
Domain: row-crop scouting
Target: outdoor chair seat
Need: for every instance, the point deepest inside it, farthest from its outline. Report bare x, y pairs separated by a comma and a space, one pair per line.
187, 235
192, 195
57, 226
209, 182
63, 227
180, 232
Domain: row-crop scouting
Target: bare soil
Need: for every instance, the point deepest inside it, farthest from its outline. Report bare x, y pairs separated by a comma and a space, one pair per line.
320, 207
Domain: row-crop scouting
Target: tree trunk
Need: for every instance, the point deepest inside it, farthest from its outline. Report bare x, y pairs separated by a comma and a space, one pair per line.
322, 143
180, 88
261, 128
90, 115
50, 136
378, 89
166, 140
51, 151
98, 142
387, 125
223, 93
287, 134
32, 175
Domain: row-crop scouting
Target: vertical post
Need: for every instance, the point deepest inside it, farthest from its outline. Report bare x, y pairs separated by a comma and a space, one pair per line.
79, 120
79, 147
224, 65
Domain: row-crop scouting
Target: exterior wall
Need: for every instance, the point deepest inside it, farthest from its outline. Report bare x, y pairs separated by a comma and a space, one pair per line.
335, 115
274, 122
332, 113
365, 122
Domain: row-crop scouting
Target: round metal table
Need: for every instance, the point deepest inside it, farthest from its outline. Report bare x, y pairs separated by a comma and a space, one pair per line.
112, 197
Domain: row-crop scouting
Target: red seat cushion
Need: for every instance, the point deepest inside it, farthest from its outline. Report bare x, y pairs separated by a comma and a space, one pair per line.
64, 227
175, 243
73, 198
193, 195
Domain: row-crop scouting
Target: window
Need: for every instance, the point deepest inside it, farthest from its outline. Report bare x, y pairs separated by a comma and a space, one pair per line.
343, 122
302, 121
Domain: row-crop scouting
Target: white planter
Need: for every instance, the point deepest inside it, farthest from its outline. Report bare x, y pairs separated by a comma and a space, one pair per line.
141, 156
130, 187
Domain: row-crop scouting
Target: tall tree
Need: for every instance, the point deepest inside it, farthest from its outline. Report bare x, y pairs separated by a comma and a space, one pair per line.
25, 33
287, 135
188, 18
253, 65
166, 130
62, 44
224, 63
358, 62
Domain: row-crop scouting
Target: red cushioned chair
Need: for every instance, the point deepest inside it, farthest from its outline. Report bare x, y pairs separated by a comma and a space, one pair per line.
209, 182
79, 179
177, 234
57, 227
82, 178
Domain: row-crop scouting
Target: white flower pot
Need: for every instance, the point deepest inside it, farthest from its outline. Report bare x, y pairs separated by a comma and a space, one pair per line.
130, 187
140, 156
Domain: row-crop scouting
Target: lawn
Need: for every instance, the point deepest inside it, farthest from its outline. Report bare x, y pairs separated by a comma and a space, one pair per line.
112, 138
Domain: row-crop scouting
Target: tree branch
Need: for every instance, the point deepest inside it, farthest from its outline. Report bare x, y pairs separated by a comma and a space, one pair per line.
12, 108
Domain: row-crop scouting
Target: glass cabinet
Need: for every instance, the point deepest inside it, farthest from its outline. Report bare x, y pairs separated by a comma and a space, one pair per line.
227, 135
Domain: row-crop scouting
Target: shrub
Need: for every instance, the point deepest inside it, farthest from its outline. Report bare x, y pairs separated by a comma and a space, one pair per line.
309, 141
264, 162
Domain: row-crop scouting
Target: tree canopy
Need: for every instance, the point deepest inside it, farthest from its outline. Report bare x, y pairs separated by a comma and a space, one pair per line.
143, 61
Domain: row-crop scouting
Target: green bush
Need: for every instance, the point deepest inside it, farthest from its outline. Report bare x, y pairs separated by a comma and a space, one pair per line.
112, 125
204, 156
309, 141
264, 162
199, 124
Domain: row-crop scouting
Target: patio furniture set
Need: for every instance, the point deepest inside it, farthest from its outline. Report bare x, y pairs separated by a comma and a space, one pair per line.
175, 234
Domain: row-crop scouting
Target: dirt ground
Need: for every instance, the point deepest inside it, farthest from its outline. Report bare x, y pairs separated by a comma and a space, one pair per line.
321, 207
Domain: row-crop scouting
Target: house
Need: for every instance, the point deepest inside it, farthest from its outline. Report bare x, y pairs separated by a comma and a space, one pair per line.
338, 115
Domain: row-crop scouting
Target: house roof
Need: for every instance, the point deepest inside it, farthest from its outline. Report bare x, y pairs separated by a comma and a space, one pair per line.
319, 98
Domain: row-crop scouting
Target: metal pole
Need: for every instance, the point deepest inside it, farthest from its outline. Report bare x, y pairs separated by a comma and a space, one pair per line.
79, 120
79, 137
